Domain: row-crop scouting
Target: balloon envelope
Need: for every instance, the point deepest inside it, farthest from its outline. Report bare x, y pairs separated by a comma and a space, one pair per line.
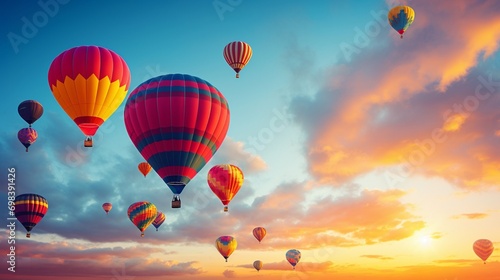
30, 209
258, 265
160, 218
483, 248
226, 245
237, 54
30, 111
400, 18
144, 168
225, 181
177, 122
142, 214
259, 233
107, 207
27, 136
90, 83
293, 257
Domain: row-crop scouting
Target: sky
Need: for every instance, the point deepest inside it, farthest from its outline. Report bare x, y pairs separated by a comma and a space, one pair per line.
376, 157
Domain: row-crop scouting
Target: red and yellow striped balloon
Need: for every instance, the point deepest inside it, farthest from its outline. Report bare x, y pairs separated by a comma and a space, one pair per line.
259, 233
225, 181
30, 209
226, 245
483, 248
142, 214
237, 55
90, 83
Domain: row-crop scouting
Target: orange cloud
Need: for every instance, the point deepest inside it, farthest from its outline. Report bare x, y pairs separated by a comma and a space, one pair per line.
471, 216
413, 91
379, 257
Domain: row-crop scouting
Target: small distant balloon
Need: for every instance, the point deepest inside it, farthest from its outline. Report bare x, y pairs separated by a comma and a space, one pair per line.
293, 257
142, 214
144, 168
226, 245
483, 248
400, 18
258, 265
259, 233
107, 207
160, 218
237, 54
30, 111
27, 136
29, 209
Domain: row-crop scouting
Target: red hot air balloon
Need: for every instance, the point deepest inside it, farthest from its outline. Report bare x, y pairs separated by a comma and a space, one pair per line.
177, 122
89, 83
259, 233
30, 111
30, 209
107, 207
225, 181
483, 248
27, 136
237, 54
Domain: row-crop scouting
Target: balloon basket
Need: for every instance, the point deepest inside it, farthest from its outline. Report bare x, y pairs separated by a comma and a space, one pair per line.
226, 208
28, 235
176, 203
88, 142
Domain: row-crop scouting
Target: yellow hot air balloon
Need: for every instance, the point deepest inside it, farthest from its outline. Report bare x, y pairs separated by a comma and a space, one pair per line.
226, 245
400, 18
225, 181
89, 83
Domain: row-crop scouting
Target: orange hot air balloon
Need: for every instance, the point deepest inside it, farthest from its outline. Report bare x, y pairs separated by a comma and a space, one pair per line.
237, 54
144, 168
107, 207
90, 83
258, 265
225, 181
226, 245
483, 248
259, 233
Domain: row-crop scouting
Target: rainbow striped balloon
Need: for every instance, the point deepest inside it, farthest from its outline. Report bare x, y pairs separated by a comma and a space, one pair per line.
483, 248
293, 257
177, 122
225, 181
142, 214
237, 54
30, 209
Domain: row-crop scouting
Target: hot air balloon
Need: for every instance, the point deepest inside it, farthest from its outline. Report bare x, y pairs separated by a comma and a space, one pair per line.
177, 122
259, 233
30, 111
225, 181
30, 209
142, 214
237, 55
160, 218
483, 248
400, 18
293, 257
226, 245
107, 207
258, 265
27, 136
144, 168
90, 83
